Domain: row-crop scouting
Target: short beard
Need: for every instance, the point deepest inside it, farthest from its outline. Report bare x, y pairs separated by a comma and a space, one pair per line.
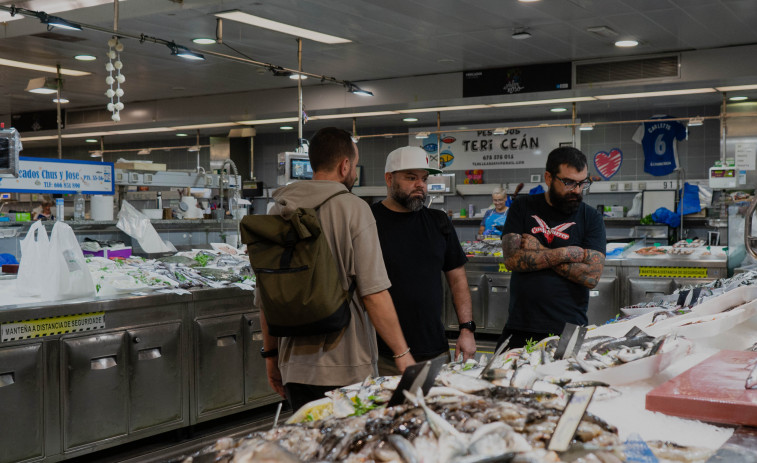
414, 204
567, 204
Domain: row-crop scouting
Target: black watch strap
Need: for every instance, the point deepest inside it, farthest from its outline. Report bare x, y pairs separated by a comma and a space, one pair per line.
471, 326
268, 353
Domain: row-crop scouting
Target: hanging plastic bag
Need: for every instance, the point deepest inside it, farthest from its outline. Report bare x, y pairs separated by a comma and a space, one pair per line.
666, 216
69, 275
138, 226
690, 201
34, 269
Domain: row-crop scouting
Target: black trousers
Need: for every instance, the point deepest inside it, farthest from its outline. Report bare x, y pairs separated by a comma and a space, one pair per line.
300, 394
519, 338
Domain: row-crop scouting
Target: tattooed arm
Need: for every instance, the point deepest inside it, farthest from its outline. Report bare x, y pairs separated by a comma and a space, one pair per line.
524, 253
586, 273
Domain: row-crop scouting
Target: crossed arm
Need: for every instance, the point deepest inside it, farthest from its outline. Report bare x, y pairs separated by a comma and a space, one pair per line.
524, 253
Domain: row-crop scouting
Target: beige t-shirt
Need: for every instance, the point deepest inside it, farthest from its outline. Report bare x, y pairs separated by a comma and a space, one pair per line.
347, 356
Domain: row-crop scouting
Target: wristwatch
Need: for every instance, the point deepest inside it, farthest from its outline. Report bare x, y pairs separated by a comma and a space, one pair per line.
268, 353
471, 326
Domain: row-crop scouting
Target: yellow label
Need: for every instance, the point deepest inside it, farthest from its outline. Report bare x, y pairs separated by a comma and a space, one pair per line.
673, 272
503, 269
40, 327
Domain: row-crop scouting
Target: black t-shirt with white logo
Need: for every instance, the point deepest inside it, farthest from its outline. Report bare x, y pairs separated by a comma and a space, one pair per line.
543, 301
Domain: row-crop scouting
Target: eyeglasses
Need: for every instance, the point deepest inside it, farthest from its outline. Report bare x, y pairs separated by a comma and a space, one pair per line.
572, 184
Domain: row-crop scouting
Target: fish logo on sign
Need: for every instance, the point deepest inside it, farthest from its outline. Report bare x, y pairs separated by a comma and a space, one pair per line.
551, 233
608, 164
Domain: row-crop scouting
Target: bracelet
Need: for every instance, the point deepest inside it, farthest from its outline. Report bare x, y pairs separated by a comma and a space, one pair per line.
402, 354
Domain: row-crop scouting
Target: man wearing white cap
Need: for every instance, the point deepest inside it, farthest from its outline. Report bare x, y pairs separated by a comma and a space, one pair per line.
418, 243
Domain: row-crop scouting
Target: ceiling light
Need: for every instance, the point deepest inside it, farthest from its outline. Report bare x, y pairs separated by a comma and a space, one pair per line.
85, 57
558, 110
91, 140
194, 148
538, 102
696, 121
528, 1
736, 88
443, 108
422, 135
181, 134
61, 100
43, 85
286, 127
203, 41
500, 131
184, 52
39, 67
281, 27
690, 91
298, 76
626, 43
144, 151
352, 88
410, 119
351, 115
737, 98
586, 126
96, 154
521, 35
54, 21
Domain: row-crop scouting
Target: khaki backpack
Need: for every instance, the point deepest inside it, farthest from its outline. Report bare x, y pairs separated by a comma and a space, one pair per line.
296, 273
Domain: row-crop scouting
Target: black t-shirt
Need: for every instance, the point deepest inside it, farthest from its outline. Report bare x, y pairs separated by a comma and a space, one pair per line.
416, 250
543, 301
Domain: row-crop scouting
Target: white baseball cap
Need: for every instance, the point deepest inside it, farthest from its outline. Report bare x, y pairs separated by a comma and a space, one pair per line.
409, 158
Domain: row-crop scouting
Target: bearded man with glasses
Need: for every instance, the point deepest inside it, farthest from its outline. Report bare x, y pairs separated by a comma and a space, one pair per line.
554, 244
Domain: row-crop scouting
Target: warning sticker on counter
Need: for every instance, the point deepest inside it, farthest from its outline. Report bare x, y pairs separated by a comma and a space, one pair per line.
40, 327
503, 269
673, 272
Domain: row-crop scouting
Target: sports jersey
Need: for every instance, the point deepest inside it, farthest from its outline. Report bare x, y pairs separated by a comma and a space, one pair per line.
658, 139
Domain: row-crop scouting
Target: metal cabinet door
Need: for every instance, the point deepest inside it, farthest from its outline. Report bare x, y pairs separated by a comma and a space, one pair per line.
498, 301
255, 376
21, 402
646, 289
603, 301
94, 388
219, 371
155, 376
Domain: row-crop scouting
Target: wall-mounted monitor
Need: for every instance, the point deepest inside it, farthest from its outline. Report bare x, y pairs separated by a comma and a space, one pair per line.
442, 184
293, 167
10, 147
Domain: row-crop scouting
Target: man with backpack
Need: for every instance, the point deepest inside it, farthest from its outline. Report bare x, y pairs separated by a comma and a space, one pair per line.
418, 245
303, 367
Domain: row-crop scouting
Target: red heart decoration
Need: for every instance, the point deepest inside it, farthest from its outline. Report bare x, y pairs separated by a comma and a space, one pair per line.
608, 164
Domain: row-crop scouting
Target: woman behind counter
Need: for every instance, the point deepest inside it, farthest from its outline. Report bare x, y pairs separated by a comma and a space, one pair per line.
494, 219
43, 211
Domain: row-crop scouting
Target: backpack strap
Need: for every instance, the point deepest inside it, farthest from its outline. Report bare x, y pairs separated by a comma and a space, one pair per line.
341, 192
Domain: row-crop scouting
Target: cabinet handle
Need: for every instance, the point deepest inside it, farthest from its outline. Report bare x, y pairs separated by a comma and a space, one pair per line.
137, 340
149, 354
224, 341
103, 363
6, 379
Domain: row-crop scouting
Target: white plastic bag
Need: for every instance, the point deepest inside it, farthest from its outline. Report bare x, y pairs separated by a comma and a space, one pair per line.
33, 268
138, 226
69, 276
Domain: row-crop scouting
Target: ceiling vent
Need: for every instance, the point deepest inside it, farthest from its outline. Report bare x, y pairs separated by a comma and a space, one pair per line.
628, 70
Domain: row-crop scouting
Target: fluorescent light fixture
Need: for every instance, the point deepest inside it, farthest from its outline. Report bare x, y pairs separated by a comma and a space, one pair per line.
410, 119
42, 85
521, 35
268, 121
193, 148
144, 151
181, 134
558, 110
422, 135
203, 41
586, 126
96, 154
736, 88
690, 91
85, 57
54, 21
500, 131
61, 100
443, 108
298, 76
91, 140
280, 27
351, 115
539, 102
286, 127
184, 52
738, 98
626, 43
213, 125
696, 121
352, 88
602, 31
39, 67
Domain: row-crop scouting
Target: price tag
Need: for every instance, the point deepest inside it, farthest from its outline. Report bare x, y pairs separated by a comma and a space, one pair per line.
421, 375
570, 419
673, 272
570, 341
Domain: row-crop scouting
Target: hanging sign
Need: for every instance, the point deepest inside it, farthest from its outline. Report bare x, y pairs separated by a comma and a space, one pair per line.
482, 149
746, 156
43, 175
518, 79
608, 164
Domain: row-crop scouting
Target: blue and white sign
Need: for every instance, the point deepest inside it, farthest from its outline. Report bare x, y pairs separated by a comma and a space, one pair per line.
43, 175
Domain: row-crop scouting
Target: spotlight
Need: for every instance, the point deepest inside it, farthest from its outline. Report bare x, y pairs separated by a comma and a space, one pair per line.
54, 21
184, 52
521, 35
586, 126
422, 135
43, 85
696, 121
144, 151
